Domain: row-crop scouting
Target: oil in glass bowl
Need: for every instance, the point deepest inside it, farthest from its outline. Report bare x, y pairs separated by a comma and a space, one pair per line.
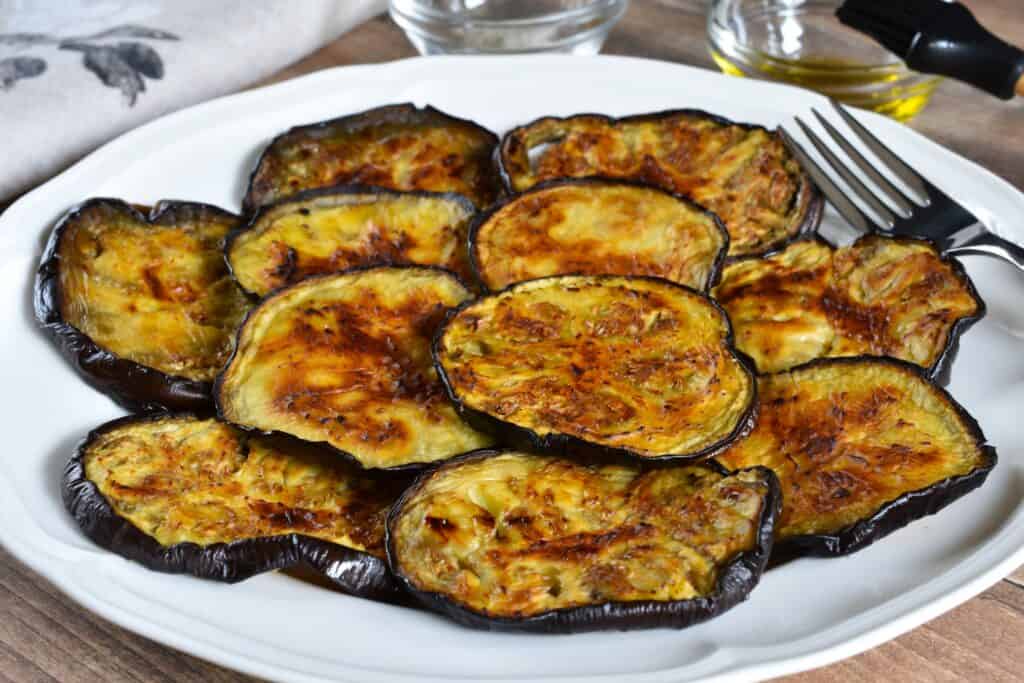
801, 42
576, 27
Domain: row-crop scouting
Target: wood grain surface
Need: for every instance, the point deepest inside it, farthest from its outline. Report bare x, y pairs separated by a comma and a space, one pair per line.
46, 637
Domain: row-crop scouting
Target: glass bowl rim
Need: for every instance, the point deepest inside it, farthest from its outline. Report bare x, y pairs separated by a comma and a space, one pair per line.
429, 13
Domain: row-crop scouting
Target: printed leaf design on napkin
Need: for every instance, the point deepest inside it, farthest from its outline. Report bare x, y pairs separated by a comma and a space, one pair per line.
16, 68
120, 65
142, 58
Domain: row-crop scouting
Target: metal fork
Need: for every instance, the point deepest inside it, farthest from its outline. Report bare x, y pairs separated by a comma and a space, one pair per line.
932, 214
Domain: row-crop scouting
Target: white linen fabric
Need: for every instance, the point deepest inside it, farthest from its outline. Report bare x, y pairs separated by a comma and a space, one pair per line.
76, 73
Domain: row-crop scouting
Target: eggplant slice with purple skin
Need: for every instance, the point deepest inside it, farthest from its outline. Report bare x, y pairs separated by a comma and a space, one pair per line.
399, 146
344, 360
883, 296
616, 366
503, 540
597, 227
742, 172
862, 447
332, 229
189, 495
141, 303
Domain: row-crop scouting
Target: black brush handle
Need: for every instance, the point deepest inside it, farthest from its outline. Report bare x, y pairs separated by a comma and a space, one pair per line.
954, 44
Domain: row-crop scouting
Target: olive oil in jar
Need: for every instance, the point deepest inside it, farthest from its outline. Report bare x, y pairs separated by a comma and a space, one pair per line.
802, 43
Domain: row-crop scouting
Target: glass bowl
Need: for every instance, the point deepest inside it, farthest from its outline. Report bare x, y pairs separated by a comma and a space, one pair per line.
507, 26
801, 42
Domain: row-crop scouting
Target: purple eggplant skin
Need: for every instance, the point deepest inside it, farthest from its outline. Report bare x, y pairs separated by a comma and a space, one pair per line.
332, 191
895, 515
567, 445
353, 571
940, 371
402, 113
217, 390
735, 581
131, 385
485, 215
811, 198
903, 509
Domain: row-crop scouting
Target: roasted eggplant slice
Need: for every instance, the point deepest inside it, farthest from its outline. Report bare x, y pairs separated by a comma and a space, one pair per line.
345, 360
512, 541
619, 366
862, 446
597, 227
400, 147
195, 496
775, 305
742, 172
879, 296
142, 304
334, 229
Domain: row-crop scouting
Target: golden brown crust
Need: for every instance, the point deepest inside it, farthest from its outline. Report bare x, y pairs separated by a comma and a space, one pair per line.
515, 535
327, 231
847, 436
879, 296
186, 480
398, 147
594, 228
742, 173
156, 292
345, 360
775, 305
638, 365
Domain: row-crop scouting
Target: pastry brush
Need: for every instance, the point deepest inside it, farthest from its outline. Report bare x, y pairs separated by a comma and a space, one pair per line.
937, 37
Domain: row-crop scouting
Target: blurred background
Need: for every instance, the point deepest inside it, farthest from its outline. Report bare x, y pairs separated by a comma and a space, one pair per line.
677, 31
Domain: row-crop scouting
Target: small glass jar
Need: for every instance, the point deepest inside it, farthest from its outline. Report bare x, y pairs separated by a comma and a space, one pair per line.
801, 42
507, 26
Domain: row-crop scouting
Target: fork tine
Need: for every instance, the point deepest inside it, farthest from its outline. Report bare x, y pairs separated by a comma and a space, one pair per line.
886, 155
891, 192
846, 208
854, 183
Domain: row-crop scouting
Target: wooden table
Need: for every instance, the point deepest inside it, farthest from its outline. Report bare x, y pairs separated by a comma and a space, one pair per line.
46, 637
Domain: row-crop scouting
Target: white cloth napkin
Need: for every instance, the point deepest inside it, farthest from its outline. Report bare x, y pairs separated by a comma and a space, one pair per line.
76, 73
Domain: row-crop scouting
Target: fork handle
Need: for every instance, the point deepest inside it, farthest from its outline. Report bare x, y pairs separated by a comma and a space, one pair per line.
990, 244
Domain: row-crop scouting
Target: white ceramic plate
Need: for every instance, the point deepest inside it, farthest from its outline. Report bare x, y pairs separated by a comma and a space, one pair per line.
803, 615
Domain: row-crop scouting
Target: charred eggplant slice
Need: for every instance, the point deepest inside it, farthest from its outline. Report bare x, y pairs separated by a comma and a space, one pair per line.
186, 495
142, 304
514, 541
334, 229
612, 365
879, 296
345, 360
742, 172
862, 447
597, 227
399, 146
